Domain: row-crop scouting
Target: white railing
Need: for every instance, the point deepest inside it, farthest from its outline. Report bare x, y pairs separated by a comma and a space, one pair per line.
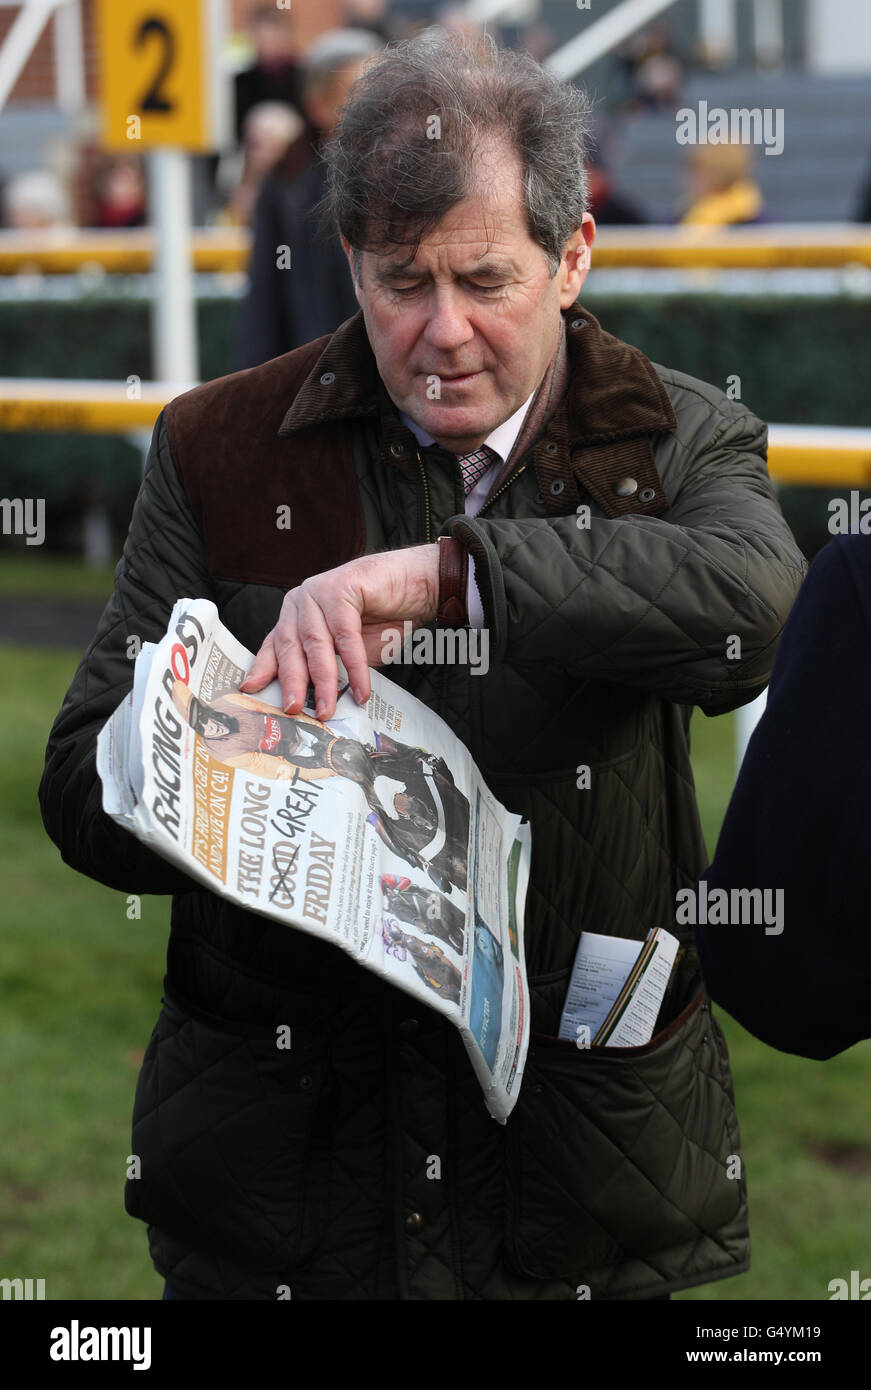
21, 40
606, 33
718, 32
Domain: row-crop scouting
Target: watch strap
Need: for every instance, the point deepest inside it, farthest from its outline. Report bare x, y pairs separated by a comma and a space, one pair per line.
453, 582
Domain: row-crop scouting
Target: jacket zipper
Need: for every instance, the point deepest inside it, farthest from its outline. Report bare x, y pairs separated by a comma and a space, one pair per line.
491, 498
425, 498
506, 484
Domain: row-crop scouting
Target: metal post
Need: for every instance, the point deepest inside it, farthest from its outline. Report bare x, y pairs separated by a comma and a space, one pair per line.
718, 30
768, 33
69, 57
746, 719
173, 308
141, 441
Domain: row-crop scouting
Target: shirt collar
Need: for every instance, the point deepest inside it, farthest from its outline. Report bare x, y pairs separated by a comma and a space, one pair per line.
501, 441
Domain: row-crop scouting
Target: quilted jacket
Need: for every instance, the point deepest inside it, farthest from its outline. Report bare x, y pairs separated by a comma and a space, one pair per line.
312, 1171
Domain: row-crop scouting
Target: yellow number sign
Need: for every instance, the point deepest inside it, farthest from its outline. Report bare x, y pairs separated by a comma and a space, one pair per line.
160, 79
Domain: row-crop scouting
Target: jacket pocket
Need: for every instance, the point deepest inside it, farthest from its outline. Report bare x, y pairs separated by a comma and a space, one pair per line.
620, 1153
228, 1127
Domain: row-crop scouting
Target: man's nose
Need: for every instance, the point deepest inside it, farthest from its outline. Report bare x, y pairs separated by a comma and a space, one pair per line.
448, 326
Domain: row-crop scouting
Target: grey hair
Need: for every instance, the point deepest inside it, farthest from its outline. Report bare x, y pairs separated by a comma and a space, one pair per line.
406, 147
332, 51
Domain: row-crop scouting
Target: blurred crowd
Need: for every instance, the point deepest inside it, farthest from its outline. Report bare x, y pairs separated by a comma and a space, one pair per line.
286, 100
285, 103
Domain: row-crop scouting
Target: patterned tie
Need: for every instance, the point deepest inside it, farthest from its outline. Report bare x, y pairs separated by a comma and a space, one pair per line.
475, 465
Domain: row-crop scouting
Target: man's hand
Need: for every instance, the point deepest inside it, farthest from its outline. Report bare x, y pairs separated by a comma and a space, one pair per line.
284, 772
344, 610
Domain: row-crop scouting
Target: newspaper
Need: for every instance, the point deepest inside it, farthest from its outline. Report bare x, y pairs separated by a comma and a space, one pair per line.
617, 988
373, 830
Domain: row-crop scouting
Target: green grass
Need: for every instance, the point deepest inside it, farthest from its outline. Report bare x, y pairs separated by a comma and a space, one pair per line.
80, 986
79, 992
713, 753
50, 576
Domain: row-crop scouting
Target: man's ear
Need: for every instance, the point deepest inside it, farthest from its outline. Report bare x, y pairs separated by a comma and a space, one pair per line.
349, 252
575, 263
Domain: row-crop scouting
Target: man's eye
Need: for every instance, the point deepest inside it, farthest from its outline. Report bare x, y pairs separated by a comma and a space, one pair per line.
405, 289
485, 289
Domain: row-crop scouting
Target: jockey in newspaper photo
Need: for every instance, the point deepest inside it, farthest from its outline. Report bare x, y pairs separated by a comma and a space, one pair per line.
416, 810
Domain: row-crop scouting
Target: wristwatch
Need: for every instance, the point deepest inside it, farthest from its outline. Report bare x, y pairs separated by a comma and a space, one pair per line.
453, 581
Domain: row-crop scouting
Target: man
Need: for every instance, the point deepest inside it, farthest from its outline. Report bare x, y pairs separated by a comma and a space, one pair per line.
426, 822
272, 128
430, 962
721, 189
432, 913
798, 829
274, 74
297, 295
612, 526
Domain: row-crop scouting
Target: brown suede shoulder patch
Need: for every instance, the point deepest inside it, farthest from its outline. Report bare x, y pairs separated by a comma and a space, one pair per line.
272, 509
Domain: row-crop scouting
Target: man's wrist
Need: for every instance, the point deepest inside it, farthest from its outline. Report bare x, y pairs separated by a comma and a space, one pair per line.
451, 608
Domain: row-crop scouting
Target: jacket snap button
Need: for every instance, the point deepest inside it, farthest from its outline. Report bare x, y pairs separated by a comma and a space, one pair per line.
647, 494
539, 499
328, 378
551, 448
305, 1083
627, 487
408, 1028
414, 1222
397, 450
579, 323
557, 486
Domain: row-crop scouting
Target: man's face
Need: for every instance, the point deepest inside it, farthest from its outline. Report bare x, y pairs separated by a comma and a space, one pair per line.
464, 333
214, 729
322, 106
273, 41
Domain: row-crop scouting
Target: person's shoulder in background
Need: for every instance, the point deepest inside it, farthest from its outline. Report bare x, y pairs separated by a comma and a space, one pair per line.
799, 824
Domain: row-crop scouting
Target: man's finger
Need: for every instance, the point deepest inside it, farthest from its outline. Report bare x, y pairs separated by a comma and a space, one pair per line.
352, 648
316, 644
264, 667
292, 668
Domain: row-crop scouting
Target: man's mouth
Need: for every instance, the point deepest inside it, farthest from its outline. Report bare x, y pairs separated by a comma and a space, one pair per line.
456, 378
